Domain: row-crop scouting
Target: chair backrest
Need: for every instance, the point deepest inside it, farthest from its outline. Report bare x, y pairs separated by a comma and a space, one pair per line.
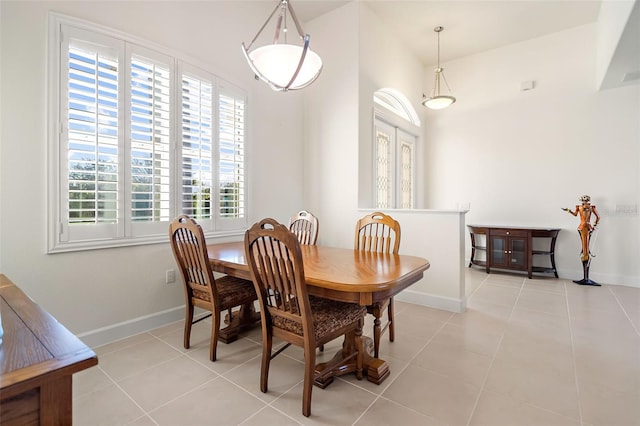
379, 233
190, 250
305, 226
275, 262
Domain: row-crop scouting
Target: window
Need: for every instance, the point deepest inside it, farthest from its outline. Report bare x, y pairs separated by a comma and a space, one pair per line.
394, 156
397, 103
394, 150
138, 136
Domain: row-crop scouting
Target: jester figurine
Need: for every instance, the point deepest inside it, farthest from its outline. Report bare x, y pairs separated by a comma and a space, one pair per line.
585, 210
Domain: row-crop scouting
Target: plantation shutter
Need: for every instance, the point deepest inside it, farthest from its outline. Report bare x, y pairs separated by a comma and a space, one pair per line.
91, 172
197, 171
231, 161
150, 132
93, 137
137, 136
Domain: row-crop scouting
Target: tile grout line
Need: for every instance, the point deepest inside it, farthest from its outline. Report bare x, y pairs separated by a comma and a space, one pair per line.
226, 379
573, 355
266, 404
379, 395
145, 412
495, 353
624, 311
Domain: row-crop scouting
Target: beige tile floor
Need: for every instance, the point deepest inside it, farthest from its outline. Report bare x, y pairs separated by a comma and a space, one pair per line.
526, 352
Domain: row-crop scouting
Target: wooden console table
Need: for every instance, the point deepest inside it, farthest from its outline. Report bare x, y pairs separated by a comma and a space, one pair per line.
38, 356
511, 248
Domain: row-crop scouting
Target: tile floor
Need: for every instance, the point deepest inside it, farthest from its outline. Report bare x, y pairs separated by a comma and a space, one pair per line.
526, 352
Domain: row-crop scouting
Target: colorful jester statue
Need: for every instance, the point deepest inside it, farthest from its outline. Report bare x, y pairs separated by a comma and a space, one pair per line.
585, 210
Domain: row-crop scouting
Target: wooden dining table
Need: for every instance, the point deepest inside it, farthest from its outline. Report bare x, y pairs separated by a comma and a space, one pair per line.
38, 357
345, 275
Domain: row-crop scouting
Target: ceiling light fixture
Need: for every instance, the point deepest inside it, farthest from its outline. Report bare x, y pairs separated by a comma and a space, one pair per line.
437, 100
281, 65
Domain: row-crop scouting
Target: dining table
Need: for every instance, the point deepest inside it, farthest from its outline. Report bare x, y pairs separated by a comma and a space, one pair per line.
346, 275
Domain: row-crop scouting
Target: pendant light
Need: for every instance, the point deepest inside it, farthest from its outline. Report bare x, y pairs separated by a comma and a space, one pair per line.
437, 100
281, 65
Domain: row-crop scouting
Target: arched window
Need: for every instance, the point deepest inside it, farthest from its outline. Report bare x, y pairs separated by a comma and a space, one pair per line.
397, 103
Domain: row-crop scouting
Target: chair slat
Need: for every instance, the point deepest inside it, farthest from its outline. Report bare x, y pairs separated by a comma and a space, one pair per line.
305, 226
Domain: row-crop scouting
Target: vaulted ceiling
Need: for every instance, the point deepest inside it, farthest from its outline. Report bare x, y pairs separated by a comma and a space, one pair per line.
474, 26
470, 26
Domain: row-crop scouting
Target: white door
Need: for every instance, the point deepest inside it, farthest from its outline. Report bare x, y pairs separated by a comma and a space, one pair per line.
394, 167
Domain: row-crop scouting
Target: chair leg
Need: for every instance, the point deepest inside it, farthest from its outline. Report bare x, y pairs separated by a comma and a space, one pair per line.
267, 343
188, 321
390, 315
215, 332
309, 370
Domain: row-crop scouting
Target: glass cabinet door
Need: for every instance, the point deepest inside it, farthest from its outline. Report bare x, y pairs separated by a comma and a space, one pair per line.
518, 253
499, 251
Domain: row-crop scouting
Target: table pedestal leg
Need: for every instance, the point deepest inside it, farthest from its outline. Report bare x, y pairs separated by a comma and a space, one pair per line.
243, 319
344, 361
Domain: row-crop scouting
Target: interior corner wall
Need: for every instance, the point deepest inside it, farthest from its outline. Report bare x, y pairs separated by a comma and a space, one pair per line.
516, 157
92, 290
331, 126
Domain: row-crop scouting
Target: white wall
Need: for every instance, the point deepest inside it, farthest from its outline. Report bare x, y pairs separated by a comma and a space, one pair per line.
331, 127
518, 157
437, 235
93, 290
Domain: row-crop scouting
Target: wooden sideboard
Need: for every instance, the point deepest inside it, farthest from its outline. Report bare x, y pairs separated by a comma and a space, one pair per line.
512, 248
38, 357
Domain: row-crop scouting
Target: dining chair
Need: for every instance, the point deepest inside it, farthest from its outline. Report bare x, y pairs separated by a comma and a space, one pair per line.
201, 289
379, 233
288, 311
305, 225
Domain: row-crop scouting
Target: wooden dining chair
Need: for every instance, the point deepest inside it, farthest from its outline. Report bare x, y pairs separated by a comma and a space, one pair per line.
201, 289
288, 311
305, 225
380, 233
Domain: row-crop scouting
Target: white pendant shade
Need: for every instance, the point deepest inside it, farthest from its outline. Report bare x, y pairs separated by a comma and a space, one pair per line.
283, 66
438, 102
276, 64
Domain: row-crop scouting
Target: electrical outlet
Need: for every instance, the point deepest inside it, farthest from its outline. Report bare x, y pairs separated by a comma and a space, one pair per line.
170, 276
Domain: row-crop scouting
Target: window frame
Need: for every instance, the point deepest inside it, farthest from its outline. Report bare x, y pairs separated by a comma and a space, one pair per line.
126, 232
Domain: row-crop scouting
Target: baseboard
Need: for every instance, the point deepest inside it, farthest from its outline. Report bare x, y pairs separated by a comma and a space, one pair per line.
104, 335
433, 301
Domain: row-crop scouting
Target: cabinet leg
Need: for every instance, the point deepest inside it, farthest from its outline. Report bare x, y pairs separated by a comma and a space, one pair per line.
553, 265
